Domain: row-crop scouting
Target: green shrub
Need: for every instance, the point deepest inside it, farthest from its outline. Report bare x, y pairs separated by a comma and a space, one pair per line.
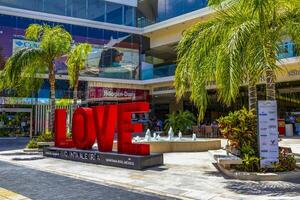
240, 128
287, 161
181, 121
32, 144
46, 137
4, 133
251, 163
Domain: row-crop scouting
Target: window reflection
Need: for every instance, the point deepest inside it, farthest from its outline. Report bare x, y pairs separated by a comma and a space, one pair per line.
114, 13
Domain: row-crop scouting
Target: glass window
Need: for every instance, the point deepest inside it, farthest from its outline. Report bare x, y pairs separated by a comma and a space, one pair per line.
77, 8
114, 13
193, 5
6, 20
95, 33
108, 34
36, 5
161, 10
129, 16
79, 31
24, 22
96, 10
174, 8
57, 7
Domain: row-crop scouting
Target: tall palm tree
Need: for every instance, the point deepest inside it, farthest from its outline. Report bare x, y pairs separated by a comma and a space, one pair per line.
75, 63
24, 67
235, 48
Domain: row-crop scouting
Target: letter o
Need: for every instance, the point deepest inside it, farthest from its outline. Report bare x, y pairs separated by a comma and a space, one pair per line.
83, 128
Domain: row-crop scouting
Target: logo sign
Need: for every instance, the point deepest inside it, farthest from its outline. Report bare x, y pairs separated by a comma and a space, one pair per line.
268, 133
19, 44
99, 123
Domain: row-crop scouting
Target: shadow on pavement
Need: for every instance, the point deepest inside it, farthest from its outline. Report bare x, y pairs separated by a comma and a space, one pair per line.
274, 188
13, 143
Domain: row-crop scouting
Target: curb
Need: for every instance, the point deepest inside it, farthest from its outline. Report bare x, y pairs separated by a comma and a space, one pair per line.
252, 176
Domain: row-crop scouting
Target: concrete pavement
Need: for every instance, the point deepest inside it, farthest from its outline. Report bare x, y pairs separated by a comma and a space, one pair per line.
12, 143
184, 176
39, 185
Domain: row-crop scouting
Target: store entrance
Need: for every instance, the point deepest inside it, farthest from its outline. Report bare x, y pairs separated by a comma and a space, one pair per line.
16, 122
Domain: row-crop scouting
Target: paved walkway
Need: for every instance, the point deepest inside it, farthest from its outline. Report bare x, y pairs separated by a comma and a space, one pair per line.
293, 142
39, 185
9, 195
185, 176
12, 143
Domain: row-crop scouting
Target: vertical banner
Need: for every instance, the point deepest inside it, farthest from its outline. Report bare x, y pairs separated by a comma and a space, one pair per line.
268, 133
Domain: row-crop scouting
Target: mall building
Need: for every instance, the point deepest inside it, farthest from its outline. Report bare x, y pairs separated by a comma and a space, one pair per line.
144, 33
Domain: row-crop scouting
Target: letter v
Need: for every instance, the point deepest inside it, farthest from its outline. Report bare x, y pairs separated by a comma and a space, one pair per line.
105, 123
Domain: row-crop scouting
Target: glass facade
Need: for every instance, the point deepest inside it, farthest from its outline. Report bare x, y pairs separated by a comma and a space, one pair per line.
147, 13
97, 10
287, 50
114, 55
153, 11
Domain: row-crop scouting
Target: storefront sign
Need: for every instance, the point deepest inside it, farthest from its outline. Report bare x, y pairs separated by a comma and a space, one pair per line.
102, 93
99, 123
268, 133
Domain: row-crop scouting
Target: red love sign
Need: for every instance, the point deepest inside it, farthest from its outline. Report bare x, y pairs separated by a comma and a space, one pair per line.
100, 122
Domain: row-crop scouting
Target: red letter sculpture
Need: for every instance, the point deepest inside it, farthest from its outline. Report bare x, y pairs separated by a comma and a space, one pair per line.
60, 129
105, 118
125, 128
83, 128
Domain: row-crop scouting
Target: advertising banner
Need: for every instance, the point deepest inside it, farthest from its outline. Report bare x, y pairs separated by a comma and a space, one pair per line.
104, 61
268, 133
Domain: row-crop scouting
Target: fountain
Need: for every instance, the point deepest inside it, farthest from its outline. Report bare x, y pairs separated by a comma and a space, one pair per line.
167, 144
170, 134
148, 136
160, 144
194, 137
154, 136
158, 137
179, 136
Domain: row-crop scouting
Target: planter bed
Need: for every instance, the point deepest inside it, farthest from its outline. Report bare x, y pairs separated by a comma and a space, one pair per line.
255, 176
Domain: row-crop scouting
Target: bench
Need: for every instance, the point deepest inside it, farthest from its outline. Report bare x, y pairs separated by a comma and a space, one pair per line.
226, 160
42, 145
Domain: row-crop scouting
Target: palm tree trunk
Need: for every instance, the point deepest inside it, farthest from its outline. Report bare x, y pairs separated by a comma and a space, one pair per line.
75, 97
75, 92
270, 85
52, 97
252, 94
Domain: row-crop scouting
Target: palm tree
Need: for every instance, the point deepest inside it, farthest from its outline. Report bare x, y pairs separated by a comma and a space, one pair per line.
235, 48
24, 68
75, 63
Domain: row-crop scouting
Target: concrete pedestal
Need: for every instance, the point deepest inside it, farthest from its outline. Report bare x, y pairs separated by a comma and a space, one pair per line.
110, 159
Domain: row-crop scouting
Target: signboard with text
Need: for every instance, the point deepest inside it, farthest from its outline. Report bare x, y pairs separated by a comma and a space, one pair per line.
268, 133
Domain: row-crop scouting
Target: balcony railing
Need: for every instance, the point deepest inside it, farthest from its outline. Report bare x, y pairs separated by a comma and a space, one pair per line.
287, 50
163, 71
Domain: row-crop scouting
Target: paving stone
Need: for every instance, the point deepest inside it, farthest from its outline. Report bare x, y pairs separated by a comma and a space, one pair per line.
185, 175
